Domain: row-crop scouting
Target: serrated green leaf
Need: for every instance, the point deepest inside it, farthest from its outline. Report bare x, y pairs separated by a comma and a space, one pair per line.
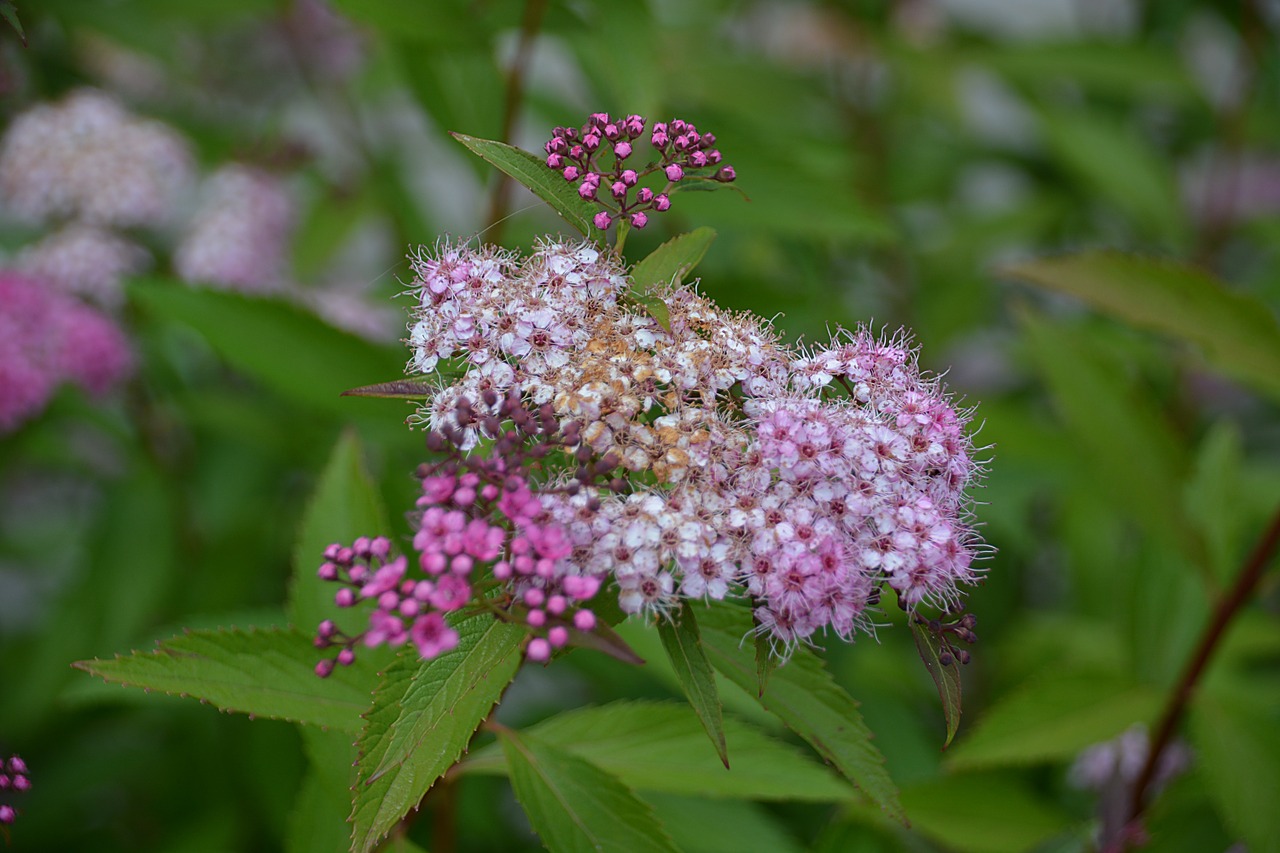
284, 347
574, 806
1237, 332
1054, 718
345, 505
661, 746
423, 716
263, 672
683, 643
671, 262
10, 15
945, 677
1238, 746
803, 695
533, 173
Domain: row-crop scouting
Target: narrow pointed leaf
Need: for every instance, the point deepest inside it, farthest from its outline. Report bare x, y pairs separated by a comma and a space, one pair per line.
672, 261
574, 806
10, 15
263, 672
1237, 332
683, 643
397, 389
661, 746
946, 677
766, 663
423, 716
803, 695
605, 640
532, 172
1237, 747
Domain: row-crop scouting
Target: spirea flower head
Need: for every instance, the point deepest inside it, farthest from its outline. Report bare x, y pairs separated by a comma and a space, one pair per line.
86, 157
85, 260
808, 481
600, 158
485, 539
14, 779
48, 338
240, 235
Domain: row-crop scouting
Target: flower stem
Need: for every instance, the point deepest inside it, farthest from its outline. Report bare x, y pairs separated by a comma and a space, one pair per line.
1229, 605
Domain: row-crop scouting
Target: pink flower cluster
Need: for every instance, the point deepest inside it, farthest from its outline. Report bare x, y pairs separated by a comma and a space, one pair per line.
483, 540
13, 777
680, 149
808, 481
48, 338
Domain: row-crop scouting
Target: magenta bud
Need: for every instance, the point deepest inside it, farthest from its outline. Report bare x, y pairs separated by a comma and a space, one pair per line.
602, 220
639, 220
629, 177
726, 174
16, 765
324, 668
556, 604
558, 636
619, 189
7, 815
674, 172
346, 657
611, 131
327, 629
345, 597
555, 161
659, 139
534, 597
622, 150
539, 650
698, 159
587, 190
571, 173
645, 195
584, 620
502, 569
328, 572
591, 141
536, 618
21, 783
661, 202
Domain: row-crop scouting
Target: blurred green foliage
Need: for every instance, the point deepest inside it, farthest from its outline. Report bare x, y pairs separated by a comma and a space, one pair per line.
905, 163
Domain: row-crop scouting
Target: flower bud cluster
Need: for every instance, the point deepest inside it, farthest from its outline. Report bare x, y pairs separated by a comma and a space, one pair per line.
13, 778
598, 158
484, 540
809, 481
48, 338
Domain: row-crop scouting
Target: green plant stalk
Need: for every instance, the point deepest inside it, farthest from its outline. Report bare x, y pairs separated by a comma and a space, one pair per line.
1228, 606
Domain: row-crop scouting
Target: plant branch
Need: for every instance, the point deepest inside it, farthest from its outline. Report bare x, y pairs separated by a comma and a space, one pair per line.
1230, 604
530, 24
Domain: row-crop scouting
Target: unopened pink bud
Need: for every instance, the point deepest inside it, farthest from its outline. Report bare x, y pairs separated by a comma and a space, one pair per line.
534, 597
536, 618
556, 604
726, 174
346, 657
328, 572
555, 161
539, 650
639, 220
674, 172
324, 668
584, 620
622, 150
327, 629
602, 220
558, 636
661, 202
645, 195
571, 173
502, 570
591, 141
587, 190
345, 597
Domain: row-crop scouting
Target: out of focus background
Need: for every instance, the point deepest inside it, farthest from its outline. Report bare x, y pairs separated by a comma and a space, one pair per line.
205, 209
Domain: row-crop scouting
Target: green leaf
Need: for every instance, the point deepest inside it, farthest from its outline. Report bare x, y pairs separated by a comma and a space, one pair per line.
804, 696
661, 746
1126, 442
704, 825
317, 823
263, 672
345, 505
671, 262
423, 716
985, 813
1054, 718
1237, 744
945, 676
766, 663
10, 15
1237, 332
1112, 162
574, 805
1212, 496
284, 347
683, 643
533, 173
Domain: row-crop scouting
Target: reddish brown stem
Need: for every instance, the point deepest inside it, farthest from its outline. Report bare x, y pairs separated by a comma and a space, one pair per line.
1230, 604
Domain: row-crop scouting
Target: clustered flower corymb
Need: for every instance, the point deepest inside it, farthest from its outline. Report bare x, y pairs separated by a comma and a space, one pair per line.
682, 152
807, 480
484, 538
13, 778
